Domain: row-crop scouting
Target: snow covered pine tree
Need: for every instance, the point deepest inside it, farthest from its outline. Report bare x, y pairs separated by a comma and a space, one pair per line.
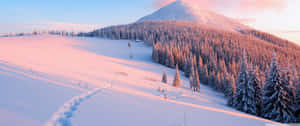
256, 84
194, 78
230, 90
197, 81
191, 78
244, 97
276, 99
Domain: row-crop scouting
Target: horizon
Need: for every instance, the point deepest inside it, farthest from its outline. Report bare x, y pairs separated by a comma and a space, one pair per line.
275, 17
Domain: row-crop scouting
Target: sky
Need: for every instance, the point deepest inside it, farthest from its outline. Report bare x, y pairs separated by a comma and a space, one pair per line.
279, 17
26, 15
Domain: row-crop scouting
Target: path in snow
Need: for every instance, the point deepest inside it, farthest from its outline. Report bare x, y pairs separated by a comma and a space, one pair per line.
63, 115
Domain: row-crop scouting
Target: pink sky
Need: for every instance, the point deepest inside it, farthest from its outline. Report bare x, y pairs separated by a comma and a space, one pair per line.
241, 5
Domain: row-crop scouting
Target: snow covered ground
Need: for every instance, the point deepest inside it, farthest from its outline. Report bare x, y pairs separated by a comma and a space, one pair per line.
51, 80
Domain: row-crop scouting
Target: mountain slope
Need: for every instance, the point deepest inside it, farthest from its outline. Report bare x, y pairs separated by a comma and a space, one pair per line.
129, 87
181, 11
213, 45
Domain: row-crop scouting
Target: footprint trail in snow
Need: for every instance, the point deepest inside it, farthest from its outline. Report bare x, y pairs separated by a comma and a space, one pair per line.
63, 115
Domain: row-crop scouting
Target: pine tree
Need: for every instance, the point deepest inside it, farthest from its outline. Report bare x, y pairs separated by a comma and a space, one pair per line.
244, 97
172, 62
276, 100
231, 90
155, 54
297, 104
176, 82
256, 84
291, 79
164, 77
188, 65
211, 79
295, 80
192, 77
241, 83
196, 81
205, 75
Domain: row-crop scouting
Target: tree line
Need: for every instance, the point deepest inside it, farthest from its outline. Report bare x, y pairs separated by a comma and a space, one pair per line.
211, 56
276, 98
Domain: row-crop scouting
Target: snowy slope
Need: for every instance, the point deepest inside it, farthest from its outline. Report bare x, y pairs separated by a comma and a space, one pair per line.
28, 99
47, 81
183, 11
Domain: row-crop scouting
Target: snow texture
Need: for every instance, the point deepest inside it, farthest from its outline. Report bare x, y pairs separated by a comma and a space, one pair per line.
63, 115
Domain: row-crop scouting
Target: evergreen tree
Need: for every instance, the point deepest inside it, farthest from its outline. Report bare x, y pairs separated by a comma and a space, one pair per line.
172, 62
196, 81
276, 100
164, 77
255, 82
289, 79
297, 104
217, 83
205, 76
231, 90
155, 54
241, 83
293, 80
176, 82
192, 77
244, 98
211, 79
187, 68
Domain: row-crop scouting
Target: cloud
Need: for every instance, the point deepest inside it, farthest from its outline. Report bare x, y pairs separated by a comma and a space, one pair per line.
236, 6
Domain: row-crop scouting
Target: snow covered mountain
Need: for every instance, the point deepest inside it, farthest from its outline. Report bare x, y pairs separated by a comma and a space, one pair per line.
182, 11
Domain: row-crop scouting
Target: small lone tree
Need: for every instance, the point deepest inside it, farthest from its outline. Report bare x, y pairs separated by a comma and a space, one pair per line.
164, 77
176, 82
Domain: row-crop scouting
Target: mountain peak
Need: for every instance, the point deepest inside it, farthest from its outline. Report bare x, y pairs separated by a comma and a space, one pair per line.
184, 11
